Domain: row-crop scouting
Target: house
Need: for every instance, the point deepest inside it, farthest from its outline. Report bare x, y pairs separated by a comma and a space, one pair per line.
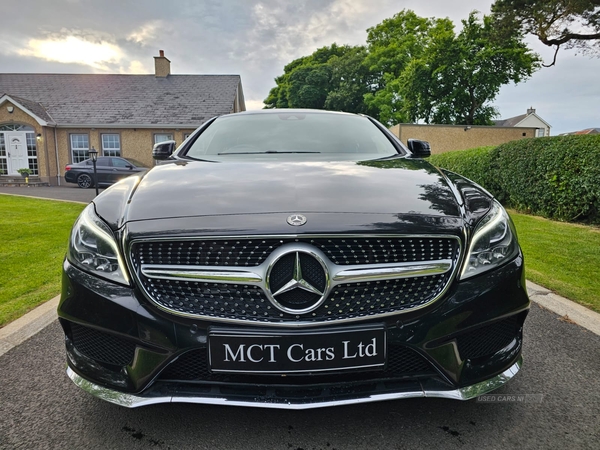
50, 120
529, 120
586, 131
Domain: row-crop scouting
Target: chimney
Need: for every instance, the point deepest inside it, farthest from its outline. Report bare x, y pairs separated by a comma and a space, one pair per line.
531, 110
162, 66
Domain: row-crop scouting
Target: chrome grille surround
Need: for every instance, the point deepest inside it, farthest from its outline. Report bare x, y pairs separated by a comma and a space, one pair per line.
240, 294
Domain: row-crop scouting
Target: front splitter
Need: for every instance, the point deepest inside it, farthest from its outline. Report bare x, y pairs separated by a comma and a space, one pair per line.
134, 401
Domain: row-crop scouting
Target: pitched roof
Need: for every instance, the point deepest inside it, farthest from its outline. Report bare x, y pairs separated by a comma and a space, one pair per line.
86, 99
511, 122
34, 107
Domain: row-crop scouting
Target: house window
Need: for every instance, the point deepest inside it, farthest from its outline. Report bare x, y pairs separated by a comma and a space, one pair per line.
111, 145
161, 137
32, 161
80, 146
541, 132
17, 127
3, 159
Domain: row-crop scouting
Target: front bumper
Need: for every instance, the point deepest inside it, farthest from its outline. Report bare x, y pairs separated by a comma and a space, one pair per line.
452, 336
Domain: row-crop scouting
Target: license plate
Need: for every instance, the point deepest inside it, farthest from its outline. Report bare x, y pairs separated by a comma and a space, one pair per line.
297, 352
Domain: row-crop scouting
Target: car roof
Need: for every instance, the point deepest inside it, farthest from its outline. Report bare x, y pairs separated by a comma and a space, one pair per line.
290, 111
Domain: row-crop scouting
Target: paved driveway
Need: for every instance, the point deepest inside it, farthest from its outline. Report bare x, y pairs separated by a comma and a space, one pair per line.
41, 408
68, 192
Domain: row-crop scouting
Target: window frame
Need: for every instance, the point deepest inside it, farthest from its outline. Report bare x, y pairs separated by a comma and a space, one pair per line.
154, 135
72, 149
105, 150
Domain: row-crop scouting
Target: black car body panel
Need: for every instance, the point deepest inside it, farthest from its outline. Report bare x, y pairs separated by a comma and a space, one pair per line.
147, 340
403, 185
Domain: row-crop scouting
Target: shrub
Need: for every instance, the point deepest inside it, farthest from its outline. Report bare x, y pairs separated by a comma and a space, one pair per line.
474, 164
555, 177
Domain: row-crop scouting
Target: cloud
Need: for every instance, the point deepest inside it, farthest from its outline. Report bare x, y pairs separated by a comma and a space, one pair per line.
146, 33
136, 67
285, 31
73, 49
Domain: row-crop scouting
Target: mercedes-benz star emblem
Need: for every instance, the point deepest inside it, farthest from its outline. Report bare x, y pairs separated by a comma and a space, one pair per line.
296, 220
297, 282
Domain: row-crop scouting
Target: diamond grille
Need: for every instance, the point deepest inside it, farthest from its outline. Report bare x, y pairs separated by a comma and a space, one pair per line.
249, 302
252, 252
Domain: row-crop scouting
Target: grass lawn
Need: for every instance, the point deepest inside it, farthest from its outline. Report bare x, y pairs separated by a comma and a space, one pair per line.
33, 244
562, 257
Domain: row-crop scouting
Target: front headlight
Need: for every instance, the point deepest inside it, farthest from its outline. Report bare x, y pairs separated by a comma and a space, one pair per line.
93, 248
494, 242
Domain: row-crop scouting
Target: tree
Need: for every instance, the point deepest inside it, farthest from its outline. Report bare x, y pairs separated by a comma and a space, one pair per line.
457, 76
392, 45
572, 23
331, 78
350, 81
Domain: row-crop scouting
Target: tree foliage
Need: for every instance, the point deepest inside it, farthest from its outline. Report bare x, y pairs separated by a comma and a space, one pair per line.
572, 23
331, 78
458, 76
412, 69
392, 45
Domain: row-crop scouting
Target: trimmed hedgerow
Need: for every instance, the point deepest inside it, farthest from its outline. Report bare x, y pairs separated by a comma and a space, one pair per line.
473, 163
555, 177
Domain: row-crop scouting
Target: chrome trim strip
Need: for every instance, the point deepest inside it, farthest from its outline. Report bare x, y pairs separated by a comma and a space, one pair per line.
208, 274
334, 269
340, 274
376, 272
134, 401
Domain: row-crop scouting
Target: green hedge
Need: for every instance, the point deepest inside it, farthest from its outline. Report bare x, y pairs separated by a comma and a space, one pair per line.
555, 177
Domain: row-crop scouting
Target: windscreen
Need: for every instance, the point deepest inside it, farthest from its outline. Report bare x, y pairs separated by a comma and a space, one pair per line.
333, 136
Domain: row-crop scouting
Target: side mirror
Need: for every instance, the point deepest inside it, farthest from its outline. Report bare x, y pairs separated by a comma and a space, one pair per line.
129, 166
163, 150
419, 149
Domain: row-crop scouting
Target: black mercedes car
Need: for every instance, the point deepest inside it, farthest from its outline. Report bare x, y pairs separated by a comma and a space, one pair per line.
109, 170
292, 259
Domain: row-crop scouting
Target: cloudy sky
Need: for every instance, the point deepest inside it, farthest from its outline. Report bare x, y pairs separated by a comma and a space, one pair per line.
256, 39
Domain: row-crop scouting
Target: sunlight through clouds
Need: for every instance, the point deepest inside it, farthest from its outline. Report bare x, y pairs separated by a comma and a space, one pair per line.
73, 49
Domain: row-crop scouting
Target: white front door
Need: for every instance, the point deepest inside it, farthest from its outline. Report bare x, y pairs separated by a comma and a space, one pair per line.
16, 151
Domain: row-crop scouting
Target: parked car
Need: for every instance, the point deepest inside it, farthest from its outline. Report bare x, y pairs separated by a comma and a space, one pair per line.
292, 259
109, 170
